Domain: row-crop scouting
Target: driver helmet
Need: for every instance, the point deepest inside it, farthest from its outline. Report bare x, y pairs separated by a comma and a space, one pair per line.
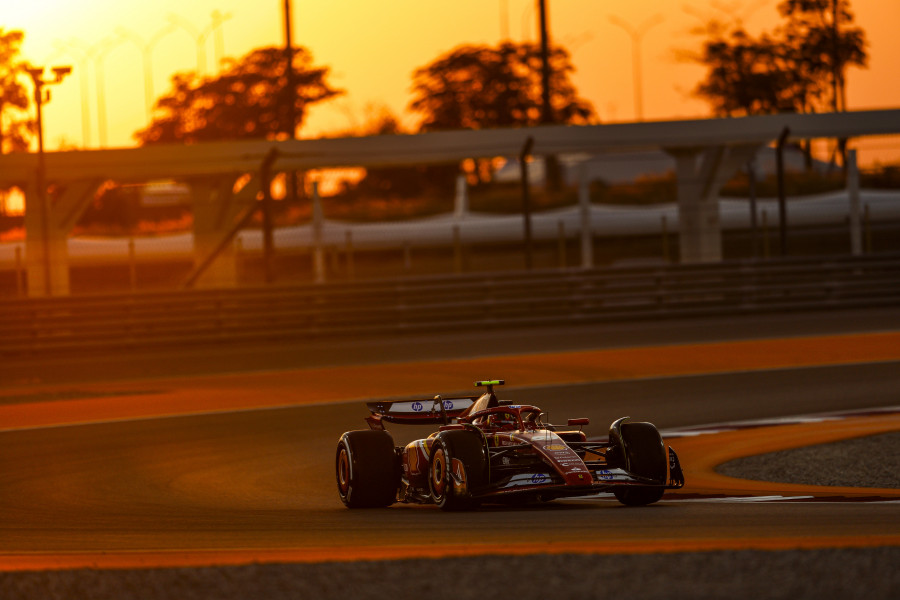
503, 420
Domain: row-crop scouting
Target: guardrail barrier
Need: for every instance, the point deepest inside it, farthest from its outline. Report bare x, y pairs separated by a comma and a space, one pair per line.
107, 323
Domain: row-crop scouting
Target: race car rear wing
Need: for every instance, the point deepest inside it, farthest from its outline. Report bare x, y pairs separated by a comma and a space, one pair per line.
432, 411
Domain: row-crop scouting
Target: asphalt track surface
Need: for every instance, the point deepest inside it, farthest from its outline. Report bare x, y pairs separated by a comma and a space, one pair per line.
250, 479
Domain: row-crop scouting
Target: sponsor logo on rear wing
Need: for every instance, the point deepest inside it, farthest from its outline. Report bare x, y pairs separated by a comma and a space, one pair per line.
425, 411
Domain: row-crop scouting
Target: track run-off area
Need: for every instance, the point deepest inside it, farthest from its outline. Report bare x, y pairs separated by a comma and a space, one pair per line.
238, 468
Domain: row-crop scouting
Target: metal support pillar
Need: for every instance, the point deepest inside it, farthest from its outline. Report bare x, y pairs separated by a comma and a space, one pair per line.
317, 224
461, 200
526, 200
47, 229
265, 183
701, 173
216, 210
782, 199
856, 245
751, 188
584, 206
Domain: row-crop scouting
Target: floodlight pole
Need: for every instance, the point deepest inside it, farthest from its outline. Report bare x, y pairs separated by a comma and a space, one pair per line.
546, 112
37, 76
291, 95
636, 35
199, 39
552, 177
289, 57
146, 49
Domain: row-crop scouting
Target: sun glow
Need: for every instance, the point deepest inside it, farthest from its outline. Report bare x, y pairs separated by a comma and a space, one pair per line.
12, 202
123, 54
32, 11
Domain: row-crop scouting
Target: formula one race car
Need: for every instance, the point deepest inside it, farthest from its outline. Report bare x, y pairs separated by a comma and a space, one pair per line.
490, 450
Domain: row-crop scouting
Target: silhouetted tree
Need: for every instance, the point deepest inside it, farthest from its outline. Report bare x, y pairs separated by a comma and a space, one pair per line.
798, 68
16, 127
826, 40
749, 76
479, 87
248, 100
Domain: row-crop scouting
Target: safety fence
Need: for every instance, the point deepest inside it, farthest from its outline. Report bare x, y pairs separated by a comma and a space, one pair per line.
80, 324
467, 241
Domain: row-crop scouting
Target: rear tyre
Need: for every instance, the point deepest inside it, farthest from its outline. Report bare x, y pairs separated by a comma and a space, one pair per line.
645, 455
458, 466
367, 469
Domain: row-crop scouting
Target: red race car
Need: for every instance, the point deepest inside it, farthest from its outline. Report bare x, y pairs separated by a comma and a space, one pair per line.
490, 450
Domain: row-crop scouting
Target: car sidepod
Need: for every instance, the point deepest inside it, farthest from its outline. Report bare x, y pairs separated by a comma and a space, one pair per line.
536, 463
561, 457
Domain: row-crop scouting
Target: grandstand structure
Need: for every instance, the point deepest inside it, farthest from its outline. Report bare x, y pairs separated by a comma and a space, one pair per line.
707, 153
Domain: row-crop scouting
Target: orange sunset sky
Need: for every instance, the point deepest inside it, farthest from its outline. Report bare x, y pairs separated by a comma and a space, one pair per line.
372, 48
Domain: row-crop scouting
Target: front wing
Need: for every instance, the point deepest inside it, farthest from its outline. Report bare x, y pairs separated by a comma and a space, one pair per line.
542, 481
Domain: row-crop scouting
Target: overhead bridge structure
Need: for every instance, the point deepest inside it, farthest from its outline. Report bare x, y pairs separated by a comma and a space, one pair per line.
707, 153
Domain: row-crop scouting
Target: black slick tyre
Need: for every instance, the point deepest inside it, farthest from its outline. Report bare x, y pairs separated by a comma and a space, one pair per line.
458, 465
367, 469
645, 455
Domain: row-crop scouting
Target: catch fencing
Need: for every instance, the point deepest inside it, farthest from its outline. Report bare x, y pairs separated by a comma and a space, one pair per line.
112, 323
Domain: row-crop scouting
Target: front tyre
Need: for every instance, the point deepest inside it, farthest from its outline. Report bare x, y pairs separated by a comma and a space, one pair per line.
645, 456
458, 465
367, 469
